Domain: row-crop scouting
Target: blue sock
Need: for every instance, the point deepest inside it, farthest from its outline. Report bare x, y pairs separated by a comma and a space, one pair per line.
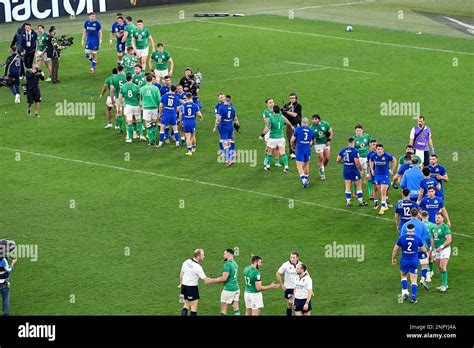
232, 146
167, 133
227, 153
221, 147
194, 146
348, 196
89, 57
414, 287
423, 273
190, 148
162, 136
303, 178
93, 64
404, 284
359, 194
176, 137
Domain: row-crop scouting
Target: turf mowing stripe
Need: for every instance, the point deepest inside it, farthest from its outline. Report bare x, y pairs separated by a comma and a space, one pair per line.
318, 6
267, 75
331, 67
200, 182
339, 38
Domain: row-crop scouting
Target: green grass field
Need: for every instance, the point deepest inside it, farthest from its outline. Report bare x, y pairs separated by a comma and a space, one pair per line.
134, 205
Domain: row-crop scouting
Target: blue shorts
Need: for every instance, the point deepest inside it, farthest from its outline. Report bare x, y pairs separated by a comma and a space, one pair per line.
299, 305
92, 45
422, 255
409, 265
303, 154
226, 134
120, 47
190, 293
168, 119
372, 179
189, 127
382, 179
353, 175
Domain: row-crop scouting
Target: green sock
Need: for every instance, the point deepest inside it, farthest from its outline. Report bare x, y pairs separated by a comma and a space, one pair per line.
153, 133
284, 158
444, 278
277, 160
430, 266
135, 126
130, 131
222, 314
119, 122
268, 159
237, 312
354, 187
369, 187
140, 127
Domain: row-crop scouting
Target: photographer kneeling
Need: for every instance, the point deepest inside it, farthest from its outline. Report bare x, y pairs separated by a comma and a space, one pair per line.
33, 92
292, 111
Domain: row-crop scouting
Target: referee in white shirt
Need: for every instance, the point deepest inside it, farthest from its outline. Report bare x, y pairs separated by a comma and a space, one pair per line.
303, 291
191, 271
288, 270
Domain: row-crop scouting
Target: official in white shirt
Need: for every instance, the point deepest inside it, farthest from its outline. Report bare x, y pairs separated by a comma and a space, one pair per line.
191, 272
288, 271
303, 291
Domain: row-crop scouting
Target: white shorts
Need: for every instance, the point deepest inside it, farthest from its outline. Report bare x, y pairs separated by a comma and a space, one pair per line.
161, 73
230, 296
150, 115
319, 148
109, 103
42, 58
424, 261
421, 154
443, 254
274, 143
253, 300
131, 111
363, 163
142, 53
266, 137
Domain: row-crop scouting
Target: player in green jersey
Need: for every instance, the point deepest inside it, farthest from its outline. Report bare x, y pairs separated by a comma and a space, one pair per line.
361, 143
442, 238
253, 287
129, 61
231, 292
130, 29
159, 62
150, 98
41, 44
267, 113
429, 226
140, 38
409, 150
117, 83
129, 97
322, 144
108, 103
139, 76
276, 127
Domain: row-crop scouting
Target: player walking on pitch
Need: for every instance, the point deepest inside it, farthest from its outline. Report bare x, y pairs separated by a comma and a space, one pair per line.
303, 136
380, 169
442, 243
231, 292
253, 287
288, 271
324, 134
92, 39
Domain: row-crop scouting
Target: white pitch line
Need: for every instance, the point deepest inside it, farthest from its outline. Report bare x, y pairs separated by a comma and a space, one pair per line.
332, 67
339, 38
200, 182
183, 48
312, 7
267, 75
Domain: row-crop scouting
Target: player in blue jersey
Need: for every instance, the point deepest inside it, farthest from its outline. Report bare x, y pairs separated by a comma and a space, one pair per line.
434, 205
403, 209
428, 181
92, 39
380, 169
397, 178
221, 101
409, 244
438, 172
421, 231
225, 119
187, 117
182, 99
165, 88
303, 137
168, 110
374, 195
349, 156
118, 28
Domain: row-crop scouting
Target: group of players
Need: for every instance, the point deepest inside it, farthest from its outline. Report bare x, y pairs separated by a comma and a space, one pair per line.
162, 106
292, 277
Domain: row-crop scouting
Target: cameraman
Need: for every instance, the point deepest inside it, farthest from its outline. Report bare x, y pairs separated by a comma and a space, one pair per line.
15, 69
188, 82
6, 247
27, 45
33, 92
292, 111
53, 52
